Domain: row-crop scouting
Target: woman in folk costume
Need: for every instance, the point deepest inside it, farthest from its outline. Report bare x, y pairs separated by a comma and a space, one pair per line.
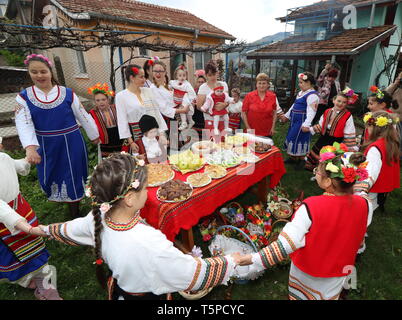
23, 255
47, 120
143, 263
336, 125
301, 114
105, 118
148, 64
382, 152
325, 233
135, 101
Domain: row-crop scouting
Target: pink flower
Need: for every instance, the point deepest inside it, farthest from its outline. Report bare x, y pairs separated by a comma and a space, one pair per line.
206, 237
362, 173
105, 207
135, 184
327, 156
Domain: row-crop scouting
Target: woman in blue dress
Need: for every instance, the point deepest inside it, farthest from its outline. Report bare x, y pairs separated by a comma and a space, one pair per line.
47, 120
301, 115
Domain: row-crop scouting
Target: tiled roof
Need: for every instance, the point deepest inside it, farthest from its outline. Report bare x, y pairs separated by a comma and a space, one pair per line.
328, 4
349, 42
143, 12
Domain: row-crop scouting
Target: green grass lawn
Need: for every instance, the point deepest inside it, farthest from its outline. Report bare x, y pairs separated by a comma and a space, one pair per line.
379, 270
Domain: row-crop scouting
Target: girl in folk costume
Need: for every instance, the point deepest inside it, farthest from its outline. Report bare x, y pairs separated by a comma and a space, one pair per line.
235, 109
23, 256
47, 120
149, 147
325, 233
301, 114
183, 89
143, 263
378, 101
132, 103
382, 152
105, 118
218, 96
336, 125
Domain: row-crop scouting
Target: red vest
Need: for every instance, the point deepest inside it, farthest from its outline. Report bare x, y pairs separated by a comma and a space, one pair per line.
338, 227
390, 175
100, 123
338, 125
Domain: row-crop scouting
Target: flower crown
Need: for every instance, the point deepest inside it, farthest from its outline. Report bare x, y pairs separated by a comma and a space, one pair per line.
377, 91
134, 185
303, 76
98, 88
344, 169
352, 96
40, 56
380, 121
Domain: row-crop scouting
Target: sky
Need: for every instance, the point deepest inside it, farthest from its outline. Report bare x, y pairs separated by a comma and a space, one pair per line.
247, 20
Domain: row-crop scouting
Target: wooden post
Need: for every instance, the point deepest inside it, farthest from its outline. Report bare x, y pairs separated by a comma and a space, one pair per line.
59, 71
294, 78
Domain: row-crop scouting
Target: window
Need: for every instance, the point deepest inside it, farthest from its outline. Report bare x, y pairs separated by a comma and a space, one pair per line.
81, 62
143, 51
201, 59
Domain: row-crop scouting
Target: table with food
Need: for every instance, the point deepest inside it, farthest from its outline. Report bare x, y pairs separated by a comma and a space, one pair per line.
199, 180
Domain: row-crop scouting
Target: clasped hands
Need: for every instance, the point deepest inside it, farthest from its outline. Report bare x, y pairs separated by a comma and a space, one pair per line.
242, 259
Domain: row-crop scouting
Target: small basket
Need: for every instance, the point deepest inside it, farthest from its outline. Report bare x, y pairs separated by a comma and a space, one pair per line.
274, 235
284, 204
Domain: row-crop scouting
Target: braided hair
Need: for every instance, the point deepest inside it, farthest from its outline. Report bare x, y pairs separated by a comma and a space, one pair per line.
109, 183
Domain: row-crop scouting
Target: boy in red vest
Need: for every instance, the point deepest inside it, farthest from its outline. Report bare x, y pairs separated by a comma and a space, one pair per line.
335, 125
382, 152
325, 233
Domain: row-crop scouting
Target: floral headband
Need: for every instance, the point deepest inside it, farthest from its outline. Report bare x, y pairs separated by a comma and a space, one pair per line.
352, 96
377, 91
106, 206
380, 121
40, 56
98, 88
344, 170
303, 76
135, 70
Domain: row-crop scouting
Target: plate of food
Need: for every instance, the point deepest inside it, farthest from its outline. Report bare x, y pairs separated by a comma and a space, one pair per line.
241, 151
203, 147
215, 171
250, 158
260, 147
159, 174
199, 180
186, 162
236, 140
225, 158
174, 191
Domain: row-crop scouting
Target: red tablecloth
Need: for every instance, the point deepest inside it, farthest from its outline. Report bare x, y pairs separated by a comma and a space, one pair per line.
170, 218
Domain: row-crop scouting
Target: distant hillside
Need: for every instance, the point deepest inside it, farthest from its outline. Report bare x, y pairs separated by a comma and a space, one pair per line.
254, 45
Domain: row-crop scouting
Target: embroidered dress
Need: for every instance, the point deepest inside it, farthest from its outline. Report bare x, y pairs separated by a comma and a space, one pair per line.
301, 114
64, 167
235, 115
295, 237
22, 256
142, 260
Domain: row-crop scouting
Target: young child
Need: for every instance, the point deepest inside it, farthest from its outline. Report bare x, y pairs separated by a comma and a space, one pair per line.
325, 233
143, 263
378, 101
335, 125
105, 117
149, 146
235, 110
183, 94
218, 95
382, 152
23, 255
